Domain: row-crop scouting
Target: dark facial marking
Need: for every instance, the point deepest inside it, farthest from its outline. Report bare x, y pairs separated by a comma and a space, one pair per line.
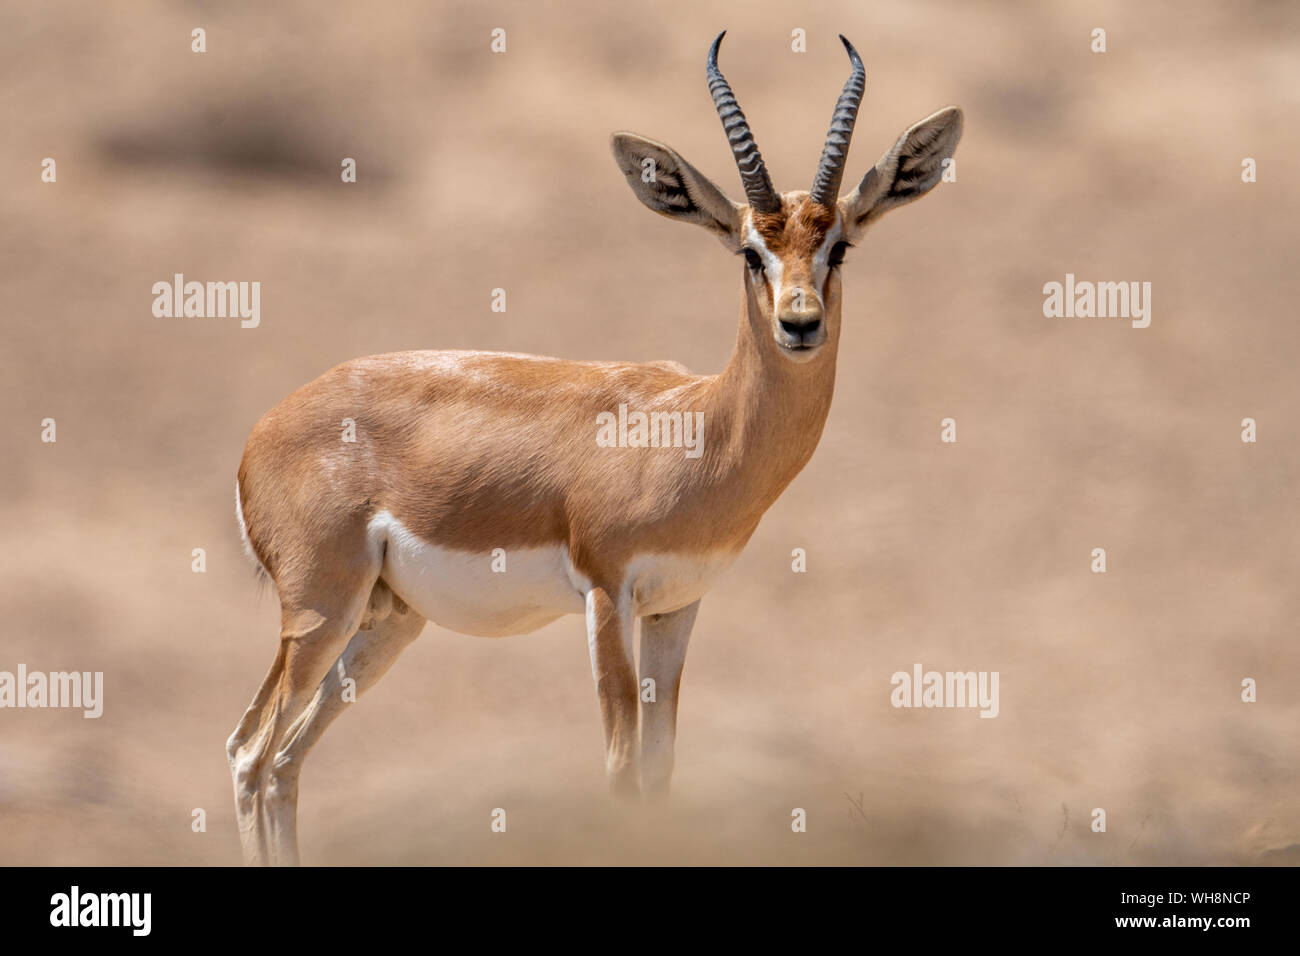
798, 230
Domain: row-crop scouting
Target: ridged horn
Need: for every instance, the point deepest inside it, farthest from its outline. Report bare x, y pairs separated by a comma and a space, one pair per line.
830, 171
758, 185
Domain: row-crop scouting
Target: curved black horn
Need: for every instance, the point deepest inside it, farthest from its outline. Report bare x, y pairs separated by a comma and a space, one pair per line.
758, 185
826, 184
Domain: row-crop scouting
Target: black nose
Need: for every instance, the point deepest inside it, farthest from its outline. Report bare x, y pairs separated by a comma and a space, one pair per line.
800, 329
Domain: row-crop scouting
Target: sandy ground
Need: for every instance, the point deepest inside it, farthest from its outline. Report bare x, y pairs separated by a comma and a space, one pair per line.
476, 171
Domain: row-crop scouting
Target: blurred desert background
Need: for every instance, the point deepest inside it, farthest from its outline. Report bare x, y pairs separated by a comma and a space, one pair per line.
479, 171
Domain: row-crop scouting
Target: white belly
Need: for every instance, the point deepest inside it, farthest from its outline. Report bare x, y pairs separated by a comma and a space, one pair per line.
461, 591
522, 589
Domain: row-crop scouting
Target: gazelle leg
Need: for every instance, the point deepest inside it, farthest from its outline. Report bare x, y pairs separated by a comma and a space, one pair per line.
663, 652
298, 665
247, 800
316, 617
366, 659
609, 638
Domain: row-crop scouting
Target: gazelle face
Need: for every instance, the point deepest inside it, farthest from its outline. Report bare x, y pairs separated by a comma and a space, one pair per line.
792, 243
792, 260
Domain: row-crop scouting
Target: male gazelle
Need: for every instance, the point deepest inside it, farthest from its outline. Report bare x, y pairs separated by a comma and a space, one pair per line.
463, 459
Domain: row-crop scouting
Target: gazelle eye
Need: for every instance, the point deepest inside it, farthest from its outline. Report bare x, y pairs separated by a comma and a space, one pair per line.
753, 260
837, 254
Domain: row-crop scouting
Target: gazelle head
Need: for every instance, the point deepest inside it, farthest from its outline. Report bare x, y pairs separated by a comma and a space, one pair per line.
793, 243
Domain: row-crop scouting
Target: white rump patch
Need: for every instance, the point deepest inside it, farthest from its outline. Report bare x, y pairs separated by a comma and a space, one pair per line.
243, 534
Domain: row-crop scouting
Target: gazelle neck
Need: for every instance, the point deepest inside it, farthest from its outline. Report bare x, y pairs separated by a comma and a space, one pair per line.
770, 410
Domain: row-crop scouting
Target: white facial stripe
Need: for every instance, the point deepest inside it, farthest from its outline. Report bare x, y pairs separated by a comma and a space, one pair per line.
822, 257
771, 264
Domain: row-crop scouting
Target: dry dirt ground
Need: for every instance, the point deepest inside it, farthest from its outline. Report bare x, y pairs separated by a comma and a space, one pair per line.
478, 171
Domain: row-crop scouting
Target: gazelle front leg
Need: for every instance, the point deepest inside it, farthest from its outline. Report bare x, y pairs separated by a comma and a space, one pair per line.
663, 652
609, 638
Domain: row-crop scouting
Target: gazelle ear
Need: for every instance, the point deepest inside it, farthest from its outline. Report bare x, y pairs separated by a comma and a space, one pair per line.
673, 187
906, 172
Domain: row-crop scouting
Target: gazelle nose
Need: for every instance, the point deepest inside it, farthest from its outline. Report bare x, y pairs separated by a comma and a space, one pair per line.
798, 328
800, 314
800, 320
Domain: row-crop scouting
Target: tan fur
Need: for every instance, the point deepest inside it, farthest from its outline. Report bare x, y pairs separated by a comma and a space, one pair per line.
796, 232
471, 451
476, 451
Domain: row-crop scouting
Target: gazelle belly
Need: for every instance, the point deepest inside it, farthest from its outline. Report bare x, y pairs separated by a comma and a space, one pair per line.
518, 590
490, 595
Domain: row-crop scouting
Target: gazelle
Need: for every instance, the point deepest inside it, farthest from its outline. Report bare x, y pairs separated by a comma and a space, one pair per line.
463, 458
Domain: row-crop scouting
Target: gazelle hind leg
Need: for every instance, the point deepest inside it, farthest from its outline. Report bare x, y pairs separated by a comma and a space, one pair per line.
298, 665
316, 618
247, 800
366, 659
663, 654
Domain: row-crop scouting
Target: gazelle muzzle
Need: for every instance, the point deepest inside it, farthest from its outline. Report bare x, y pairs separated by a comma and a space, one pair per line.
800, 320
